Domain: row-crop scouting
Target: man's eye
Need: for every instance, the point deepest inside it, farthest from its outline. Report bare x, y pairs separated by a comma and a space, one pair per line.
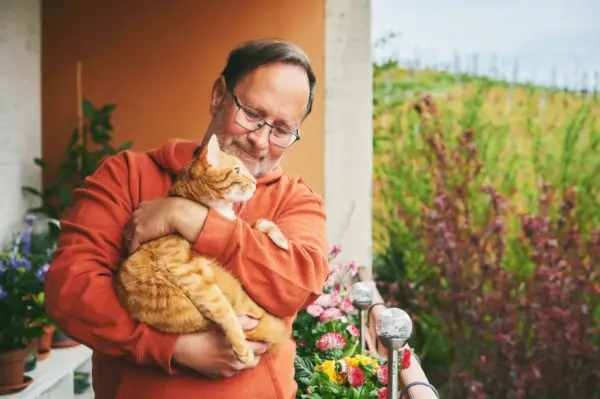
252, 116
280, 132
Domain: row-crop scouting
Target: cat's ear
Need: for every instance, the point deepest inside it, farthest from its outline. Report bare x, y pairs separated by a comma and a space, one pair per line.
212, 151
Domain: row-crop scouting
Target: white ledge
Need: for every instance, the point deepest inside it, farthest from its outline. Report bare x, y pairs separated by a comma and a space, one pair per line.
53, 376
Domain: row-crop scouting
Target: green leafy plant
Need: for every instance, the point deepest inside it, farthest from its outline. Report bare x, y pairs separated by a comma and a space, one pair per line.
90, 144
19, 309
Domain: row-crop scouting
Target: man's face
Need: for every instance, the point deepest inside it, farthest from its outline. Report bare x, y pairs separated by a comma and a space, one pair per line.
279, 93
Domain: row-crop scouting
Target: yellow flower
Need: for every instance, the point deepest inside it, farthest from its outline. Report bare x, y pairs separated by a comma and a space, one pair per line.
361, 359
328, 367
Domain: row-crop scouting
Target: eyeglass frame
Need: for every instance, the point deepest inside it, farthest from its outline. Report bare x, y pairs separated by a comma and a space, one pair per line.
242, 107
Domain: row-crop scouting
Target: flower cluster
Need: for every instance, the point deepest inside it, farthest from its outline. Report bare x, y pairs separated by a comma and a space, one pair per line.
22, 274
328, 362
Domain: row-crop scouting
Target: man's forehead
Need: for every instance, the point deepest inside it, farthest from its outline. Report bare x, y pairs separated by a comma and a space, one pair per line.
280, 91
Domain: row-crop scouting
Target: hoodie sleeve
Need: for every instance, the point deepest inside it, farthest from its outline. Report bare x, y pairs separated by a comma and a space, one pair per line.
79, 293
282, 282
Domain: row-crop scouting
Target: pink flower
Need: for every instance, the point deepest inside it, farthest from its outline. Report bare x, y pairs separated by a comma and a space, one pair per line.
325, 301
382, 393
343, 366
336, 250
353, 330
314, 310
356, 377
382, 375
331, 340
330, 314
347, 306
353, 267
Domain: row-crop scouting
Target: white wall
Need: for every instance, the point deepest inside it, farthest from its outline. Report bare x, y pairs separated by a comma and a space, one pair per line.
20, 106
348, 127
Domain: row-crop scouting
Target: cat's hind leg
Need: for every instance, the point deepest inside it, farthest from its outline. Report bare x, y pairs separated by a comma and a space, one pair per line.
197, 281
272, 230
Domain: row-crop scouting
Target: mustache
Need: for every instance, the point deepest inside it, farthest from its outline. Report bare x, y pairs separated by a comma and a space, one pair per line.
250, 151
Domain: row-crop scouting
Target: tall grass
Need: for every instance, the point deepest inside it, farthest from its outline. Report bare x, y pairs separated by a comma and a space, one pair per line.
472, 235
520, 144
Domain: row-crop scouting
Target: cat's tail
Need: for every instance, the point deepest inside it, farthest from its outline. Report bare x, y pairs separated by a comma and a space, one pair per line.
272, 230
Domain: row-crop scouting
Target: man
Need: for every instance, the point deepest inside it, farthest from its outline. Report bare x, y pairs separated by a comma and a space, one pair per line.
271, 84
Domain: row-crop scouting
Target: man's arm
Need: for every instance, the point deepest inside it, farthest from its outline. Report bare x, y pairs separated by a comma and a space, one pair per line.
79, 293
282, 282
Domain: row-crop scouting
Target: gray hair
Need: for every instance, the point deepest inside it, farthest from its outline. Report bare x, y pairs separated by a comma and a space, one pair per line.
255, 53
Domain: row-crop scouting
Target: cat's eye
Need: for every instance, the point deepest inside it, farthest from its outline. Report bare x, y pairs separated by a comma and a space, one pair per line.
237, 170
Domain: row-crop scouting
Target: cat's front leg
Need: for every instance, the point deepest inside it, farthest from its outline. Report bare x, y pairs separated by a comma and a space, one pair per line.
272, 230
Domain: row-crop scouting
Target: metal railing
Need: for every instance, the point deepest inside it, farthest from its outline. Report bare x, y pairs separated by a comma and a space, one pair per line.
411, 381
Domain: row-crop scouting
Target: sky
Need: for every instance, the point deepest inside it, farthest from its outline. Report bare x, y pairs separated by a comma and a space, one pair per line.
539, 35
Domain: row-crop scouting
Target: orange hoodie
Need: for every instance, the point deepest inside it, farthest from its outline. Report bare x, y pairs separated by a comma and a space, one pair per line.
131, 360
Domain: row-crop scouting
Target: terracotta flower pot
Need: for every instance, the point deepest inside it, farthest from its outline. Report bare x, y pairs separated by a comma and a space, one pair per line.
12, 367
45, 341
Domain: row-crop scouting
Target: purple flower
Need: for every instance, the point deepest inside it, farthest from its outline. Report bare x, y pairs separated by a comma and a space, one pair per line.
3, 293
18, 263
41, 273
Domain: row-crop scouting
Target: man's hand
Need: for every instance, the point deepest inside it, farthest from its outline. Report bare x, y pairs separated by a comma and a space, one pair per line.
163, 216
210, 353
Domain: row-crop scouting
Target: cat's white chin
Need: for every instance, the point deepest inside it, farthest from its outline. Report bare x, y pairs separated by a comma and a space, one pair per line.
237, 195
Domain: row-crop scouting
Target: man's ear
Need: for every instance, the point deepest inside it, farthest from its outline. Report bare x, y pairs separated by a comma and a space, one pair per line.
218, 94
212, 151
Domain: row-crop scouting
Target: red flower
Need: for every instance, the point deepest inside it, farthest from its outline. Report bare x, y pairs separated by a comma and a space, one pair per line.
406, 354
330, 314
382, 393
382, 375
356, 377
353, 330
331, 340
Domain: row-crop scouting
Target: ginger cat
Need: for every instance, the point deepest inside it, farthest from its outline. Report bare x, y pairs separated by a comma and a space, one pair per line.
175, 290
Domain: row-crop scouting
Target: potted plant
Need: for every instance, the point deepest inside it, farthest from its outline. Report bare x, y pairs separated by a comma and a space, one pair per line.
18, 282
36, 240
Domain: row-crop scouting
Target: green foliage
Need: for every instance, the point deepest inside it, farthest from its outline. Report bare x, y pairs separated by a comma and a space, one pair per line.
85, 151
532, 146
20, 291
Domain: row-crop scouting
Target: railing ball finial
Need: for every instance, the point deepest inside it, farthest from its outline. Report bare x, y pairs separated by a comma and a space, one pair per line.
394, 327
361, 296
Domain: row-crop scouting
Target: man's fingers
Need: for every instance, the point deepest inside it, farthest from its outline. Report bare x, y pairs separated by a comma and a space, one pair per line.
239, 366
258, 348
247, 323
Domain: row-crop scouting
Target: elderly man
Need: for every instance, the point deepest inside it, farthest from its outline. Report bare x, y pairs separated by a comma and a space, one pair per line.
268, 81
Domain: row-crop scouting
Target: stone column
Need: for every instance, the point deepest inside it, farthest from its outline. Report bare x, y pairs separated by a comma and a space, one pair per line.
348, 127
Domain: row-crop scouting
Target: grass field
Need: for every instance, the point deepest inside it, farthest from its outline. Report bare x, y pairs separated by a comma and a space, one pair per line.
525, 134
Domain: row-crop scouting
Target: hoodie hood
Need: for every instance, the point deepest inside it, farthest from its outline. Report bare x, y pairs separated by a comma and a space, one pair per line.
175, 154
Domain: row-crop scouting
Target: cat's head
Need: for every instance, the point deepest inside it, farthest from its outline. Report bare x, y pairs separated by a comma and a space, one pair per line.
214, 176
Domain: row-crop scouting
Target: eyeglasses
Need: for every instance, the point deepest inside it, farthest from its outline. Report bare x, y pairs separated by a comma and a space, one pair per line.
251, 120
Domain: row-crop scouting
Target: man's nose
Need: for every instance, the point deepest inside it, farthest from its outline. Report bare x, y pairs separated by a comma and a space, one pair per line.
260, 137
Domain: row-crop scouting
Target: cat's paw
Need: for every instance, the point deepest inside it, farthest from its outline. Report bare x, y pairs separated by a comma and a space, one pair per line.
244, 354
273, 231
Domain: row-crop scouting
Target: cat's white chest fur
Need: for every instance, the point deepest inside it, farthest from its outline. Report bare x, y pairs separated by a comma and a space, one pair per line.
225, 209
